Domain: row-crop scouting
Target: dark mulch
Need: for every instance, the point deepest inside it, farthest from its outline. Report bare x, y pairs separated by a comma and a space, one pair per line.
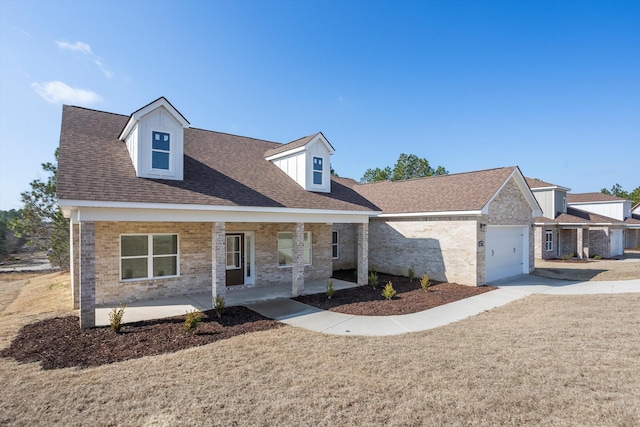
572, 261
410, 297
60, 343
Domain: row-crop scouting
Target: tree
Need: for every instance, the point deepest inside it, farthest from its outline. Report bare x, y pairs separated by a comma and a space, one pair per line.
42, 222
9, 242
616, 190
407, 166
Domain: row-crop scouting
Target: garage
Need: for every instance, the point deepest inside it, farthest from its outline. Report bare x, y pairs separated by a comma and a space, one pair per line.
505, 252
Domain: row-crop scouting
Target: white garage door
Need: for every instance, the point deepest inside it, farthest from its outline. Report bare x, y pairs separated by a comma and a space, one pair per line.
505, 252
616, 242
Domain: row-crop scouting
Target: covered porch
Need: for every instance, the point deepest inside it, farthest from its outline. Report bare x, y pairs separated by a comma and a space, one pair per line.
159, 308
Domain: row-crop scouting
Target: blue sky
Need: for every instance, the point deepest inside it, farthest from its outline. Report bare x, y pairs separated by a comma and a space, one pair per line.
552, 86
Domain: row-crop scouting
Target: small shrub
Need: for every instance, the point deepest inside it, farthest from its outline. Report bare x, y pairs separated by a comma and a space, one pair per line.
411, 274
373, 279
597, 257
425, 283
388, 292
218, 305
330, 289
192, 320
115, 318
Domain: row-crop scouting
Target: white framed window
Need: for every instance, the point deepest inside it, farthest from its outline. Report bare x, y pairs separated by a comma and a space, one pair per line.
285, 249
548, 241
317, 170
335, 244
160, 150
148, 256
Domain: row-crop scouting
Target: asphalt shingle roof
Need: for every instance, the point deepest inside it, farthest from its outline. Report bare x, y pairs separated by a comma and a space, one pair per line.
219, 170
443, 193
592, 197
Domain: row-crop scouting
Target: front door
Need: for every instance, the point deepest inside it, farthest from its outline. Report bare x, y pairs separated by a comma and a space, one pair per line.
235, 259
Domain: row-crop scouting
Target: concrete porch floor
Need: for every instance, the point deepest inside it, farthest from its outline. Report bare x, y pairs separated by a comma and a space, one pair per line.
176, 306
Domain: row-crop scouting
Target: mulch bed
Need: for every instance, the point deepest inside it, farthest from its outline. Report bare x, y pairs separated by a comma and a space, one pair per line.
60, 343
410, 297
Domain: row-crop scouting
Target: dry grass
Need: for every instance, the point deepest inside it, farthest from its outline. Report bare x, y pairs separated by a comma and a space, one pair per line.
543, 360
26, 298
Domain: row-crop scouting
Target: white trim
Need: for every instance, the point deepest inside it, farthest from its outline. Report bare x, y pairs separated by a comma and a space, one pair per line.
310, 239
288, 152
548, 243
599, 202
337, 244
149, 256
142, 215
158, 103
553, 187
521, 182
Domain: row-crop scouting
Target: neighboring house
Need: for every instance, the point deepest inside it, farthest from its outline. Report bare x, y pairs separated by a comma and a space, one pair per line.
613, 207
470, 228
160, 209
564, 229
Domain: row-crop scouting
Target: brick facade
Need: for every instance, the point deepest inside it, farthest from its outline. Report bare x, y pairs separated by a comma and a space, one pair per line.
196, 258
446, 248
347, 245
632, 238
442, 247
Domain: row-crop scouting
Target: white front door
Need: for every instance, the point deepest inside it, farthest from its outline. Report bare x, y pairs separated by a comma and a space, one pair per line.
616, 243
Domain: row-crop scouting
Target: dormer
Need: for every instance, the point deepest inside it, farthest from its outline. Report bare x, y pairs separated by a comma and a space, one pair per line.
552, 198
154, 136
306, 161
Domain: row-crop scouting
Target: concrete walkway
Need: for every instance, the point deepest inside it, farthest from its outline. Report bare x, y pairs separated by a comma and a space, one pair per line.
275, 304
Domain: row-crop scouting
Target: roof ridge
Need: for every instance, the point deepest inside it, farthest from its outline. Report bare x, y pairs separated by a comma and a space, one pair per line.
94, 110
233, 134
439, 176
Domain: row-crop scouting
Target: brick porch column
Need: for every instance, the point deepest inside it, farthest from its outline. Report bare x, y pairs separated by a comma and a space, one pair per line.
219, 261
297, 267
363, 253
74, 263
582, 242
87, 292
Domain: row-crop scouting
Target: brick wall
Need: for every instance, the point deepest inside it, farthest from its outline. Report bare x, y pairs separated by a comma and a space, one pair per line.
509, 207
196, 258
632, 238
347, 246
599, 242
443, 247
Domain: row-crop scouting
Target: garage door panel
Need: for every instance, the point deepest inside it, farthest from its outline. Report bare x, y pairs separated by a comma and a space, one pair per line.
504, 253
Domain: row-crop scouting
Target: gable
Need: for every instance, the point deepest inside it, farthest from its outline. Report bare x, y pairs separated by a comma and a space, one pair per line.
306, 161
154, 136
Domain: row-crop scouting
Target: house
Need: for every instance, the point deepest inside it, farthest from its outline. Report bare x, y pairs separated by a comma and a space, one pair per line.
564, 229
471, 228
159, 208
613, 207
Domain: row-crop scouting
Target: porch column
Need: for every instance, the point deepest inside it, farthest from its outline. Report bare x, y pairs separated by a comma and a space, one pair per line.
74, 263
582, 242
219, 261
363, 253
87, 292
297, 268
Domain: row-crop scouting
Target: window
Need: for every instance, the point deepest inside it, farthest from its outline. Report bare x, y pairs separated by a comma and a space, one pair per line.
335, 242
146, 256
160, 149
317, 170
548, 241
285, 249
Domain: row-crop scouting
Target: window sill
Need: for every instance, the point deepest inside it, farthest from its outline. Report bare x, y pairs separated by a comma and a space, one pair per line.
140, 279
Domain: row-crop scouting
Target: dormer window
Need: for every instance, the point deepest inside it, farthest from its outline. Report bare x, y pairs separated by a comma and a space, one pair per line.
160, 150
154, 136
317, 170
